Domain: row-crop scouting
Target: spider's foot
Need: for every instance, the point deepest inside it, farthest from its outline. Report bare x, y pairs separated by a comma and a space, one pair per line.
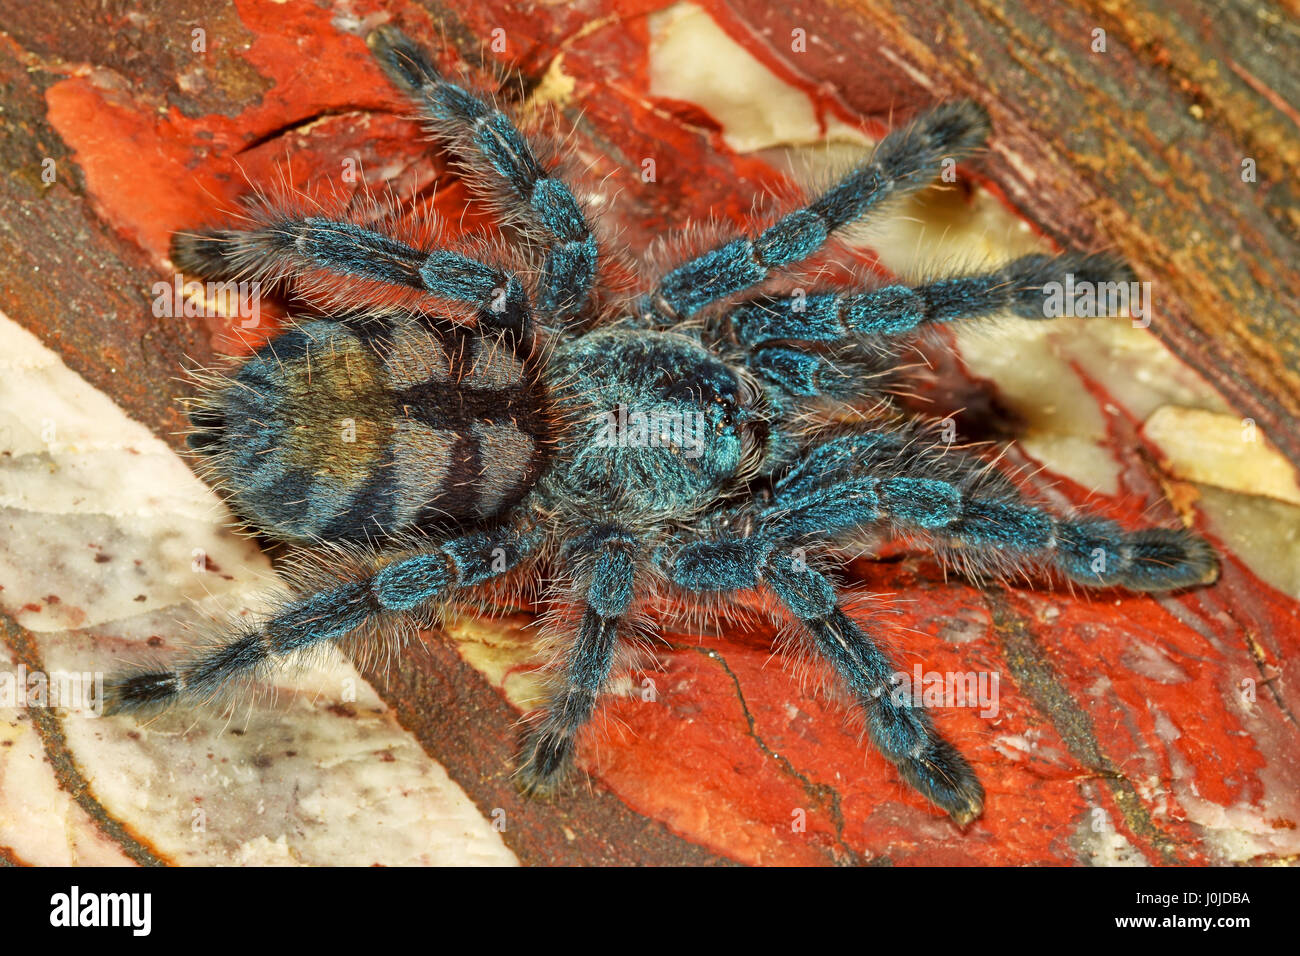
942, 774
401, 59
958, 126
202, 253
545, 763
1029, 279
1153, 559
139, 691
1162, 560
950, 130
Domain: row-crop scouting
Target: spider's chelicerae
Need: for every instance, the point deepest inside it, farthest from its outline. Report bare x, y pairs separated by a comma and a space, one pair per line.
681, 442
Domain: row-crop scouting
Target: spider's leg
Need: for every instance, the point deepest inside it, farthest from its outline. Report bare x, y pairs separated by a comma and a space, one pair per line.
1023, 287
610, 558
903, 734
974, 516
289, 246
903, 162
798, 373
413, 582
501, 162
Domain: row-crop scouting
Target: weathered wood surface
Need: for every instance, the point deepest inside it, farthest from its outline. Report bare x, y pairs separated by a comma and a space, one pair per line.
1138, 149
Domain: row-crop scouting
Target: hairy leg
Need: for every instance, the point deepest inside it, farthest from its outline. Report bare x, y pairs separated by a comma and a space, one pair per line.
904, 162
500, 161
905, 735
853, 482
801, 373
609, 559
1021, 287
287, 246
412, 582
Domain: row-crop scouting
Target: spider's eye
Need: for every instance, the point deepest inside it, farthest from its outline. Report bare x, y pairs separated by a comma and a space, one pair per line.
730, 410
716, 389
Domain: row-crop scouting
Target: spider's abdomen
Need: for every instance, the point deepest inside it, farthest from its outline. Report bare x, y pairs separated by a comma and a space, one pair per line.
349, 433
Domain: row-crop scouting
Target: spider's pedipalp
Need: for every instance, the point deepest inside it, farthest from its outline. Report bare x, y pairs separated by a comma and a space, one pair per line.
904, 162
400, 585
804, 374
500, 157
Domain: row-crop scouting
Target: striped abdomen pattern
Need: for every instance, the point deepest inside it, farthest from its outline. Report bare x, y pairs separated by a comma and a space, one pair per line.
349, 432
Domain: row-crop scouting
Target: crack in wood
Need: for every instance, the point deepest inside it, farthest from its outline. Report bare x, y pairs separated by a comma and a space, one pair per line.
1038, 678
823, 793
70, 778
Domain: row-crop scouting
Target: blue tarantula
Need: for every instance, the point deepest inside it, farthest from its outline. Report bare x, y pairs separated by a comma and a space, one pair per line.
481, 450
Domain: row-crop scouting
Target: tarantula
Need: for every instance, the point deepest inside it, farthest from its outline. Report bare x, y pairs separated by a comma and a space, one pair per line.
484, 450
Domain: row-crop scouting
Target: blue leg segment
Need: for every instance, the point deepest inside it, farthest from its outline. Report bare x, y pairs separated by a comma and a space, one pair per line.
414, 582
904, 162
609, 559
802, 374
1023, 287
498, 157
291, 246
904, 734
852, 483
